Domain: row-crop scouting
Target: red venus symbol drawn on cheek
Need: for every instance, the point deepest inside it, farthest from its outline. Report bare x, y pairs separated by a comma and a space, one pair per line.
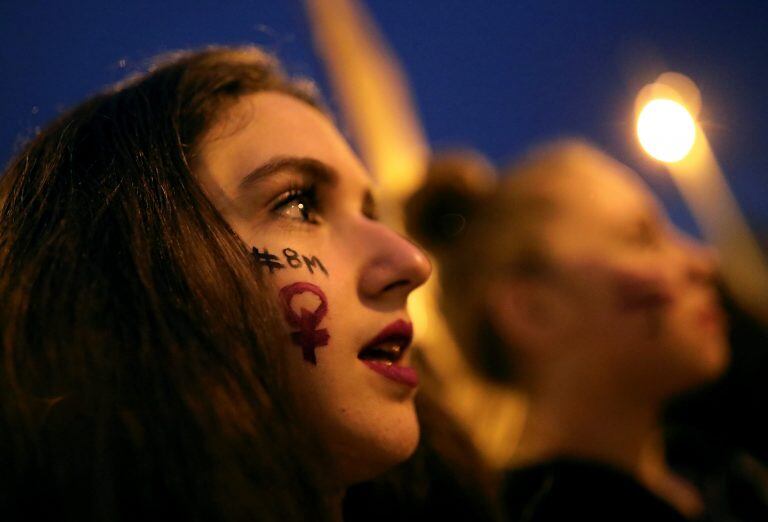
308, 337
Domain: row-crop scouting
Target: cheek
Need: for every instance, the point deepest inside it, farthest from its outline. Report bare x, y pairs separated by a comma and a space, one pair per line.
341, 403
642, 300
627, 288
305, 306
618, 304
290, 260
676, 356
362, 429
300, 278
640, 290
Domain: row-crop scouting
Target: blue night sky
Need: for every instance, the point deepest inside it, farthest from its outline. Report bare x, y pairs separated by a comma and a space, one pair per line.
496, 75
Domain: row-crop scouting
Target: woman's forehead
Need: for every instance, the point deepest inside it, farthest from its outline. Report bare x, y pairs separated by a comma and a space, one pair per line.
593, 210
267, 125
610, 191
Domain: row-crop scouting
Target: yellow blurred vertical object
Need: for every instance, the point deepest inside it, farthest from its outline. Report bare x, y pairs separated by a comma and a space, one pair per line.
669, 133
373, 94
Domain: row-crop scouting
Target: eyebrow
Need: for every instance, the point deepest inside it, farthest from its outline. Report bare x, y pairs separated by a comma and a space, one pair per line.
310, 166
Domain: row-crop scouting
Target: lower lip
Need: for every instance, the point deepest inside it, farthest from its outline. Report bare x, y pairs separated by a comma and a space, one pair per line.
401, 374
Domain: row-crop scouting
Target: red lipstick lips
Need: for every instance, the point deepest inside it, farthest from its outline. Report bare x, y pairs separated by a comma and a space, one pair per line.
385, 350
402, 374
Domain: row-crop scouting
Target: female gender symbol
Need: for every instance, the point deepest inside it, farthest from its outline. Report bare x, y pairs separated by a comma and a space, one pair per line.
308, 337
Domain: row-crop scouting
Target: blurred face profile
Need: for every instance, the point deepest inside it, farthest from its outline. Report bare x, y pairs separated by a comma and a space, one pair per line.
289, 185
634, 293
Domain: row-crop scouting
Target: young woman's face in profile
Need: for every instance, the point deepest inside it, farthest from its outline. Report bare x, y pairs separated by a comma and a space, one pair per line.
641, 295
289, 185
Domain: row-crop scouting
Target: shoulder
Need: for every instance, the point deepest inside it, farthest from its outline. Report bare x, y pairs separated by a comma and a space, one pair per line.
733, 483
566, 489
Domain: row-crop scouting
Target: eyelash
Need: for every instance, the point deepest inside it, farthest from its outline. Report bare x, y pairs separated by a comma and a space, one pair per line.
306, 201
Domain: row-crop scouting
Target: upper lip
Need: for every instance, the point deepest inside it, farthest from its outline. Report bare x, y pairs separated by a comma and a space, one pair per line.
399, 333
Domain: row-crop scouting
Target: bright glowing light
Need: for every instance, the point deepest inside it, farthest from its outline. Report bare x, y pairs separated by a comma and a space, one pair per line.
666, 130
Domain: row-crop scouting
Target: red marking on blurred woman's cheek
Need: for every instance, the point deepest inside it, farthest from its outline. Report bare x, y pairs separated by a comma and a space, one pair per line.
635, 288
641, 291
645, 295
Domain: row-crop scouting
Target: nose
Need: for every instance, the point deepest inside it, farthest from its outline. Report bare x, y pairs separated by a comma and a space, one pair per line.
394, 267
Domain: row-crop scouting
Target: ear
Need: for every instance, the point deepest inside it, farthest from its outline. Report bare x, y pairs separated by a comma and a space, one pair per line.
523, 312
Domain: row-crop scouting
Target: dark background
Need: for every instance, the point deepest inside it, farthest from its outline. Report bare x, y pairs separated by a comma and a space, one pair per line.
497, 75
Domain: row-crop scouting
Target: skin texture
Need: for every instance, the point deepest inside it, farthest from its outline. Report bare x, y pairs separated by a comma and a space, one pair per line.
322, 207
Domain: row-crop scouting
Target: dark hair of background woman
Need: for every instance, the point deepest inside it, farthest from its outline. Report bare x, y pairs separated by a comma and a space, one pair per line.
140, 360
449, 215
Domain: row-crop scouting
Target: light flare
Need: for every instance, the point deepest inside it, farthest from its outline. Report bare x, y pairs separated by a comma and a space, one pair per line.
666, 130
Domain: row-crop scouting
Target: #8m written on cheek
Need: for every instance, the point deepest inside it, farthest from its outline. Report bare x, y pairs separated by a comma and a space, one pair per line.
290, 258
308, 336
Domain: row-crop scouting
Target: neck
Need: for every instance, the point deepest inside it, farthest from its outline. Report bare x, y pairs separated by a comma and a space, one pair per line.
588, 424
604, 426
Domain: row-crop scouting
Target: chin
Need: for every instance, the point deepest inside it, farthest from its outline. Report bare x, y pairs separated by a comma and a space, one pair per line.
388, 441
716, 357
714, 353
709, 360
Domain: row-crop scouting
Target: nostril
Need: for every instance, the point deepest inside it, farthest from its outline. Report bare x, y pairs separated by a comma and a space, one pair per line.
397, 284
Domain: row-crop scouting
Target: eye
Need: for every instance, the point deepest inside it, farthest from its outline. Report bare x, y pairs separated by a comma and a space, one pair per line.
646, 233
300, 204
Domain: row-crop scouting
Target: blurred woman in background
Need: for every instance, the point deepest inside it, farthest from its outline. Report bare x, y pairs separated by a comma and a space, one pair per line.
567, 280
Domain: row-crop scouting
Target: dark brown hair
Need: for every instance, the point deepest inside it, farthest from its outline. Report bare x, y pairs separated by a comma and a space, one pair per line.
481, 228
141, 372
